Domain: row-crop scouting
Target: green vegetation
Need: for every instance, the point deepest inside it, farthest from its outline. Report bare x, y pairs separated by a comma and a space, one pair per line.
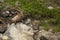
39, 7
56, 29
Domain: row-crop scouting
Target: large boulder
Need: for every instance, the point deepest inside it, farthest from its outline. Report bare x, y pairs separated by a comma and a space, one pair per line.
19, 32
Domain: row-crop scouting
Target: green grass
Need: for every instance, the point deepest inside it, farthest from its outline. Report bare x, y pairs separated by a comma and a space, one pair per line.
56, 29
39, 7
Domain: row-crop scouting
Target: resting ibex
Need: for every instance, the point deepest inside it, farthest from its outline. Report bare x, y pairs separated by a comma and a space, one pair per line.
17, 17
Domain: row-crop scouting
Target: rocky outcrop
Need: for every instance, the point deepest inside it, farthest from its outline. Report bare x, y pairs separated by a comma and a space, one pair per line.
28, 29
19, 32
22, 31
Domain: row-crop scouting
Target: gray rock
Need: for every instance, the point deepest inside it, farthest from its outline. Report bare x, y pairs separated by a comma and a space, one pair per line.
5, 13
53, 37
46, 35
28, 21
58, 35
20, 31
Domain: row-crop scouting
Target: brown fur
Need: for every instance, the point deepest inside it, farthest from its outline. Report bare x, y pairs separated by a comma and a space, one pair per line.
17, 17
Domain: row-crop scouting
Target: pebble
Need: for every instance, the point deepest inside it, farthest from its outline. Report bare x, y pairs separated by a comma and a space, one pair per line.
5, 37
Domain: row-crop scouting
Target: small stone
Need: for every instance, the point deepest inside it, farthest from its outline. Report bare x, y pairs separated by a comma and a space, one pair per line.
35, 22
7, 12
28, 21
50, 7
10, 15
5, 37
13, 12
